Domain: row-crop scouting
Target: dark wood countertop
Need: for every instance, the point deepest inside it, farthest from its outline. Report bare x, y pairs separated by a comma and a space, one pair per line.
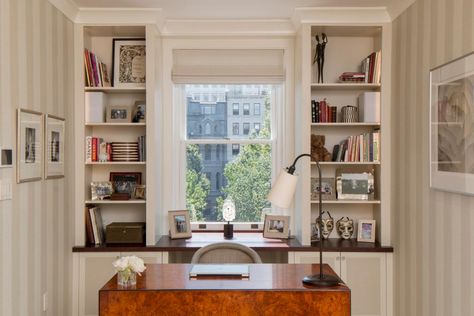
253, 240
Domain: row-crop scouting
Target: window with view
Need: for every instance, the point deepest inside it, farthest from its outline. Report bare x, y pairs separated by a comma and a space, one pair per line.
228, 162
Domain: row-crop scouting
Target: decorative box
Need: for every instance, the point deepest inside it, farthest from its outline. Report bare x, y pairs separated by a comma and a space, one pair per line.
125, 232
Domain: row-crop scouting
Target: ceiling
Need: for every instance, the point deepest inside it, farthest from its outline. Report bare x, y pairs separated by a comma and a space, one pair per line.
233, 9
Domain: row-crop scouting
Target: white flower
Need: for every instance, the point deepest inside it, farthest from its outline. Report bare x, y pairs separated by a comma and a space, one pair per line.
132, 263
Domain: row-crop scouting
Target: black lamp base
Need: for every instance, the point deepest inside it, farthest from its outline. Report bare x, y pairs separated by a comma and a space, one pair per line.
228, 231
322, 280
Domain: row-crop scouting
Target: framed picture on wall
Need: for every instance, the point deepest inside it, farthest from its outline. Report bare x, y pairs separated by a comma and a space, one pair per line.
54, 153
451, 126
29, 145
180, 225
128, 70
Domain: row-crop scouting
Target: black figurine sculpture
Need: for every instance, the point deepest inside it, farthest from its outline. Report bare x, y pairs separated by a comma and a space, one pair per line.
319, 55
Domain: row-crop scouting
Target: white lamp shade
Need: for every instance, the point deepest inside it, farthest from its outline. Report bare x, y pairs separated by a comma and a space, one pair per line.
283, 190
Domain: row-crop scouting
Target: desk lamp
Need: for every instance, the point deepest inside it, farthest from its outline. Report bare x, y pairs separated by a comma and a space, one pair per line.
281, 195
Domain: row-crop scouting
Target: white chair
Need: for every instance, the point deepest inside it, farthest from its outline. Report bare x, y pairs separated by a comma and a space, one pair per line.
226, 252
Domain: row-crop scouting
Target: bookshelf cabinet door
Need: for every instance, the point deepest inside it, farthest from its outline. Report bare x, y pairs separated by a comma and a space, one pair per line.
365, 274
331, 258
148, 257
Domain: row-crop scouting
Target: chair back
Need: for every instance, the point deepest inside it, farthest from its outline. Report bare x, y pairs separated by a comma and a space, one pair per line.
226, 252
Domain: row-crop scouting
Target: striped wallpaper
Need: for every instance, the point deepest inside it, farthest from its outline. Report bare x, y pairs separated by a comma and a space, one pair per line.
36, 227
433, 230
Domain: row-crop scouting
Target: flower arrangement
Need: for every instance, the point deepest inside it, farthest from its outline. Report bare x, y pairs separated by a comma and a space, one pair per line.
127, 268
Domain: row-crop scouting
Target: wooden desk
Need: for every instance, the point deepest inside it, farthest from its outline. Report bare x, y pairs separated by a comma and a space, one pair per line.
271, 289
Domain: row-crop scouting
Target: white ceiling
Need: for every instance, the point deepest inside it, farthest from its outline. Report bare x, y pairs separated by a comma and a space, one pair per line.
232, 9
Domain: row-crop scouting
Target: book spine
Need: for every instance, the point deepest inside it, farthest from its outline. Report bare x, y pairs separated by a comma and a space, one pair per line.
376, 146
94, 226
99, 71
109, 151
318, 112
372, 68
323, 106
86, 71
89, 231
88, 148
94, 70
102, 150
334, 114
94, 148
313, 111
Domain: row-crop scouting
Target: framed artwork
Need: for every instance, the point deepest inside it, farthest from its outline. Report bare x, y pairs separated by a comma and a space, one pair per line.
328, 189
129, 56
125, 182
276, 226
180, 225
118, 114
140, 192
366, 230
101, 190
451, 126
29, 145
54, 159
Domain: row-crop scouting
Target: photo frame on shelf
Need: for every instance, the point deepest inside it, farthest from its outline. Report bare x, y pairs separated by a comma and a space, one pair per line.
180, 224
139, 112
355, 183
140, 192
129, 60
328, 189
118, 114
29, 145
276, 226
55, 128
101, 190
451, 120
125, 182
366, 230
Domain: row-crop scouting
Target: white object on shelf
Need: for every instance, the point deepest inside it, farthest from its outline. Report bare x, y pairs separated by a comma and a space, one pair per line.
369, 107
95, 103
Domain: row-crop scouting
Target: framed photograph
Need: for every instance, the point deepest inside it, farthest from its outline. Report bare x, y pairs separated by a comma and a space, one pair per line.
54, 160
129, 56
366, 230
451, 123
328, 189
314, 232
118, 114
29, 145
125, 182
180, 226
355, 186
140, 192
276, 226
101, 190
139, 112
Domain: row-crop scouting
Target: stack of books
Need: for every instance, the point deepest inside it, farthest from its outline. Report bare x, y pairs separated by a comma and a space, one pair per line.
125, 151
359, 148
97, 149
322, 112
94, 228
352, 77
371, 67
95, 71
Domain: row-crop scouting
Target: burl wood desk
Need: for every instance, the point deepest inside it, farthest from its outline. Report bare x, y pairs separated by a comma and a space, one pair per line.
271, 289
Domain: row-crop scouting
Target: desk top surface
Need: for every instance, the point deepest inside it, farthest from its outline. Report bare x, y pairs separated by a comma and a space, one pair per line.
271, 277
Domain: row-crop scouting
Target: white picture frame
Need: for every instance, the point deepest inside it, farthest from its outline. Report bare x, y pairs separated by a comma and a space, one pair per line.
55, 128
118, 114
180, 224
129, 63
366, 230
451, 119
29, 145
276, 226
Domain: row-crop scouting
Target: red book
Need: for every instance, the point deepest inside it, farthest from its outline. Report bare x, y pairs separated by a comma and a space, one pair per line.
323, 107
371, 69
89, 68
94, 70
109, 152
94, 149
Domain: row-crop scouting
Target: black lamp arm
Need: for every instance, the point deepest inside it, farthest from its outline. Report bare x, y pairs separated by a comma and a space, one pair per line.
291, 169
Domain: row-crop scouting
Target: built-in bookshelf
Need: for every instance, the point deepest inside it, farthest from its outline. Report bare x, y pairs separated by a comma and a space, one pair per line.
98, 42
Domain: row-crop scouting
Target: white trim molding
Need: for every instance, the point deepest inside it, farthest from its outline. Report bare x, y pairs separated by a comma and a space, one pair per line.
395, 8
120, 16
67, 7
341, 15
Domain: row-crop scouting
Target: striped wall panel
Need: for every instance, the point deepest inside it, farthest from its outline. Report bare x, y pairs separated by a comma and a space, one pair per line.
36, 227
433, 230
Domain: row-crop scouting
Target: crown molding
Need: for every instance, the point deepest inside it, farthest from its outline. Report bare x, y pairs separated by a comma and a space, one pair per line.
395, 8
341, 15
271, 27
67, 7
120, 16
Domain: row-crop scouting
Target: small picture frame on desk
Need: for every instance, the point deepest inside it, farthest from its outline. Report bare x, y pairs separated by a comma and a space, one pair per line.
366, 230
180, 225
276, 226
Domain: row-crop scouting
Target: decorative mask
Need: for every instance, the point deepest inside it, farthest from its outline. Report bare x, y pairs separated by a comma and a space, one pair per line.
345, 227
327, 225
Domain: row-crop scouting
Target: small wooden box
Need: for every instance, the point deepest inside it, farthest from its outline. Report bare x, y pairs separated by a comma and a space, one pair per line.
125, 232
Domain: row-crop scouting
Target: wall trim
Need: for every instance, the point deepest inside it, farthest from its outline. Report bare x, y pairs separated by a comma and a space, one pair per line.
120, 16
395, 8
341, 15
67, 7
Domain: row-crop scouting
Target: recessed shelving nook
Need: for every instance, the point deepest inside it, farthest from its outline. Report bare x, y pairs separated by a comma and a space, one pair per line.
99, 40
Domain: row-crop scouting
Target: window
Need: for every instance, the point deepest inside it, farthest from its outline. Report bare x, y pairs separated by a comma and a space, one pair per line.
246, 108
235, 109
207, 128
256, 127
235, 128
246, 128
256, 109
229, 163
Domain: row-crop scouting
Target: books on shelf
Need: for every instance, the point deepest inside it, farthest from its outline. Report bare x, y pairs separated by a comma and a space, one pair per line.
98, 150
95, 71
358, 148
371, 67
353, 77
322, 112
94, 226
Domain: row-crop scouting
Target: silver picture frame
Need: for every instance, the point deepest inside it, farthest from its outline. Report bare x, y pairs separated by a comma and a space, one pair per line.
29, 145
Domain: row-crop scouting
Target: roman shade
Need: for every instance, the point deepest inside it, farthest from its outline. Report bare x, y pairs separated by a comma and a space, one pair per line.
228, 66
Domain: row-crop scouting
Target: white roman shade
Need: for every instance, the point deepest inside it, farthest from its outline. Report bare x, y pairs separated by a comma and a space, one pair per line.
228, 66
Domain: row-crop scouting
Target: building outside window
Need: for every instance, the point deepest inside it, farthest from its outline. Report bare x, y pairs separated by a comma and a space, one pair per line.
235, 128
246, 108
235, 149
235, 108
256, 127
246, 128
256, 109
